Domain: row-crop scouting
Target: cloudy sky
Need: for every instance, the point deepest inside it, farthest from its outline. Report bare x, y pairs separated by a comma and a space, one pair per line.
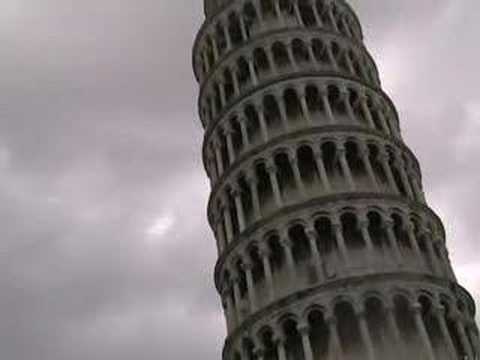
105, 251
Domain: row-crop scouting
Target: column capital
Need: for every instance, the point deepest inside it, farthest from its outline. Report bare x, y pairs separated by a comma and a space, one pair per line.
292, 155
417, 308
363, 222
303, 328
344, 93
227, 129
216, 140
388, 223
235, 190
323, 91
278, 337
340, 147
310, 231
409, 226
438, 310
336, 223
247, 264
263, 250
318, 153
271, 167
331, 319
359, 309
383, 155
286, 242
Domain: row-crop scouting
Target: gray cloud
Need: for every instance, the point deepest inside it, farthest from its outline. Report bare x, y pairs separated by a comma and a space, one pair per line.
105, 250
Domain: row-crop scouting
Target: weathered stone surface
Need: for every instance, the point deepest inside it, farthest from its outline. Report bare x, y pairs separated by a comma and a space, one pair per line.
327, 247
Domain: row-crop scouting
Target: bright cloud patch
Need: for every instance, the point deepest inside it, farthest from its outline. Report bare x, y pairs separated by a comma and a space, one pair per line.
160, 226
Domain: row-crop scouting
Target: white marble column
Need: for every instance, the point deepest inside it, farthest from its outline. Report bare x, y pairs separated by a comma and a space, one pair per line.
318, 20
365, 333
237, 297
272, 173
338, 231
304, 329
422, 332
262, 122
363, 225
237, 196
366, 111
264, 253
342, 156
457, 317
218, 155
227, 217
228, 132
283, 111
311, 234
392, 240
365, 155
388, 171
252, 180
243, 128
253, 73
298, 15
438, 312
322, 170
326, 105
252, 297
287, 249
335, 347
292, 157
304, 107
406, 183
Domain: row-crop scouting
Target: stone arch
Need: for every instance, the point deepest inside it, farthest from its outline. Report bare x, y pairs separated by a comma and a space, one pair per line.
319, 332
264, 186
253, 123
326, 241
276, 252
272, 113
220, 38
243, 72
292, 106
262, 65
320, 51
300, 51
351, 230
250, 17
234, 28
285, 175
306, 165
228, 84
293, 341
280, 55
300, 247
348, 329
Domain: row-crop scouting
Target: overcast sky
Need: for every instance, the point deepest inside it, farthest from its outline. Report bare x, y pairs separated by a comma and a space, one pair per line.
105, 251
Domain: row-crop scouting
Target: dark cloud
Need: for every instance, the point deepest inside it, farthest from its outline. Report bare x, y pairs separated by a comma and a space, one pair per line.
105, 250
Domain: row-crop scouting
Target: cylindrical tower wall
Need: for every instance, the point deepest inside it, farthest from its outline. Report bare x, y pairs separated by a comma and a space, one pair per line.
326, 244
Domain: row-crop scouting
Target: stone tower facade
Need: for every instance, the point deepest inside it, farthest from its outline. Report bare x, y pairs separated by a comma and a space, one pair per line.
327, 248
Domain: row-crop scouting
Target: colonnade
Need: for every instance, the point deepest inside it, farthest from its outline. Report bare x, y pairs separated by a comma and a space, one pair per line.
277, 56
286, 176
396, 325
232, 28
291, 108
329, 247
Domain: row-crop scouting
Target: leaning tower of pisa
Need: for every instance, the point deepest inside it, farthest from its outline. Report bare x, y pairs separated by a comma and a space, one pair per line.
327, 248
